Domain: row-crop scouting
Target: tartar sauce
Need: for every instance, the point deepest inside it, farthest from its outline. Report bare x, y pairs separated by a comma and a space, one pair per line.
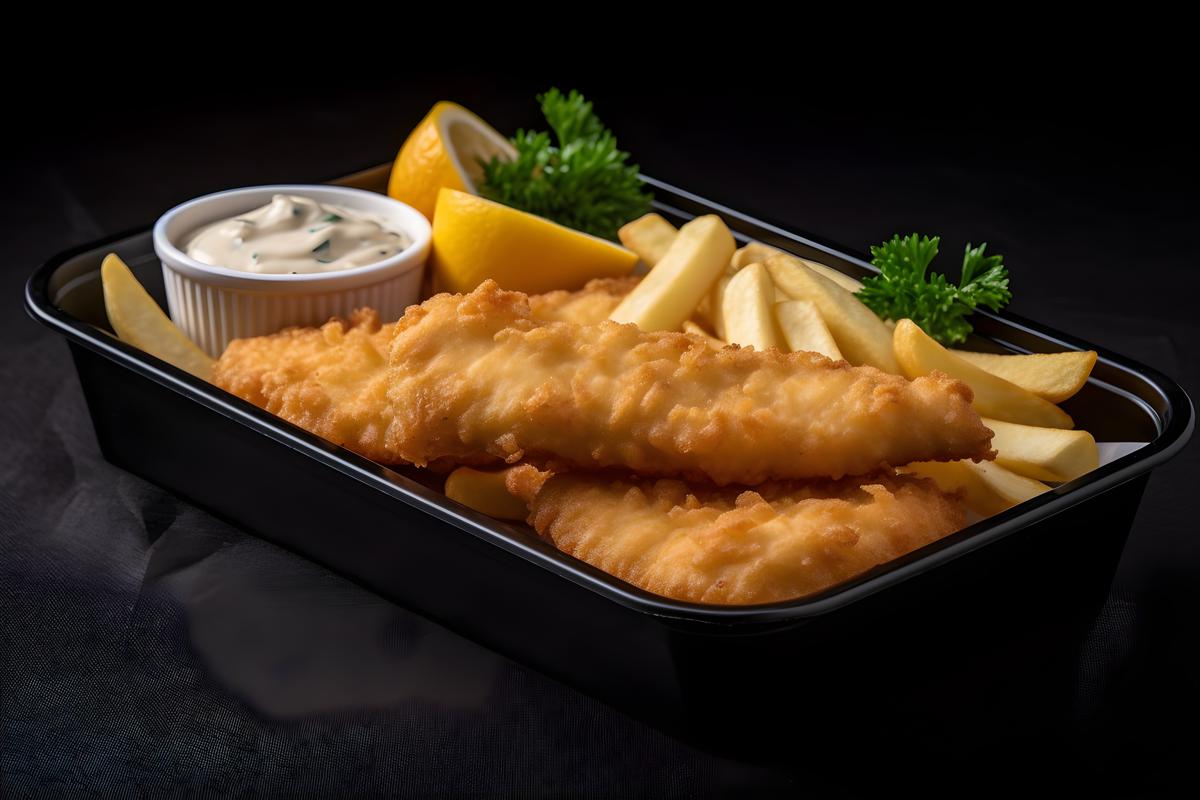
293, 235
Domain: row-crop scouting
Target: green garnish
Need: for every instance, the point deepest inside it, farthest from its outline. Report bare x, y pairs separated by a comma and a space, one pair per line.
903, 290
321, 247
329, 218
580, 179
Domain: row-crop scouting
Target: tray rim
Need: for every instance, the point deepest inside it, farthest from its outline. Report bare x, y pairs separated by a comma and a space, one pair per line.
1173, 433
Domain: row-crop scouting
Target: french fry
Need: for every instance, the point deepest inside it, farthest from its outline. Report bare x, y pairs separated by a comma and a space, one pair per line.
752, 253
860, 335
746, 309
843, 280
1047, 454
139, 321
987, 488
759, 252
803, 329
650, 236
714, 303
710, 307
672, 290
1051, 376
957, 477
485, 492
696, 330
918, 354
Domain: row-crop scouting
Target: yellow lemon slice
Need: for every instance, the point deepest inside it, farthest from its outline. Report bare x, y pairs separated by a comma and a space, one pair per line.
475, 239
444, 150
138, 320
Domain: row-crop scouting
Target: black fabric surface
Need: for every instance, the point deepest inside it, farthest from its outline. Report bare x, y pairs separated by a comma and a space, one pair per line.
146, 647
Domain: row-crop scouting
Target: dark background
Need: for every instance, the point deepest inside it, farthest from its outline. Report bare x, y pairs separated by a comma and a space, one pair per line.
147, 646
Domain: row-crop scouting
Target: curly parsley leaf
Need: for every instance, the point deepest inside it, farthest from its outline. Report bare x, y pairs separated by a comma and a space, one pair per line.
578, 177
906, 289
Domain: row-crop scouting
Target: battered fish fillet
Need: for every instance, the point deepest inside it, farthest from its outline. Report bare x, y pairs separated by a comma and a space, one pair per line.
591, 304
477, 374
775, 542
331, 381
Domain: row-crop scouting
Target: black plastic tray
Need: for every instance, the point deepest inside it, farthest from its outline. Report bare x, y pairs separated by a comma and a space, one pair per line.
719, 675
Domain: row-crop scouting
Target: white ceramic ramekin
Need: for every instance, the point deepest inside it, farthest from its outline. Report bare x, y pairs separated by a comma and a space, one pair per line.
215, 305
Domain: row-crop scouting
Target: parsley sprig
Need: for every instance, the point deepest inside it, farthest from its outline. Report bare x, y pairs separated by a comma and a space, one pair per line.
904, 290
577, 176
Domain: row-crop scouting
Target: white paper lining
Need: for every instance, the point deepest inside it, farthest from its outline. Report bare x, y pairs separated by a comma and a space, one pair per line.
1111, 451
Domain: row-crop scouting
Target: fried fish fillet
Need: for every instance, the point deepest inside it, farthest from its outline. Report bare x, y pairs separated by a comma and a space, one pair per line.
331, 381
478, 374
777, 541
587, 306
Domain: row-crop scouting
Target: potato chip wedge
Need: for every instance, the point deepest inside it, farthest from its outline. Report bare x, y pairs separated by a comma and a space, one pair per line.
995, 397
139, 321
714, 303
746, 309
803, 329
1047, 454
1051, 376
671, 291
759, 252
696, 330
650, 236
987, 488
1014, 489
485, 492
752, 253
861, 336
957, 477
843, 280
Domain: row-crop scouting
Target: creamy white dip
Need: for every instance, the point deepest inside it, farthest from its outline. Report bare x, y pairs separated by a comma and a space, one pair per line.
294, 235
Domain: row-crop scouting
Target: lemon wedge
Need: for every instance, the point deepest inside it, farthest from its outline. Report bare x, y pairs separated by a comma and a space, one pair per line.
475, 239
444, 150
139, 321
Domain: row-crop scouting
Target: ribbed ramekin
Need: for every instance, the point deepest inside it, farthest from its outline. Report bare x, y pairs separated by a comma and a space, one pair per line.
215, 305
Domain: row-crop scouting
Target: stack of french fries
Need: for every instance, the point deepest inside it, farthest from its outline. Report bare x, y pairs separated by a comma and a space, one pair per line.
700, 282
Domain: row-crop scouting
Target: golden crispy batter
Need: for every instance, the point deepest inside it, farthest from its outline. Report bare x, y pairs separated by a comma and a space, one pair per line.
775, 542
476, 374
331, 381
591, 304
